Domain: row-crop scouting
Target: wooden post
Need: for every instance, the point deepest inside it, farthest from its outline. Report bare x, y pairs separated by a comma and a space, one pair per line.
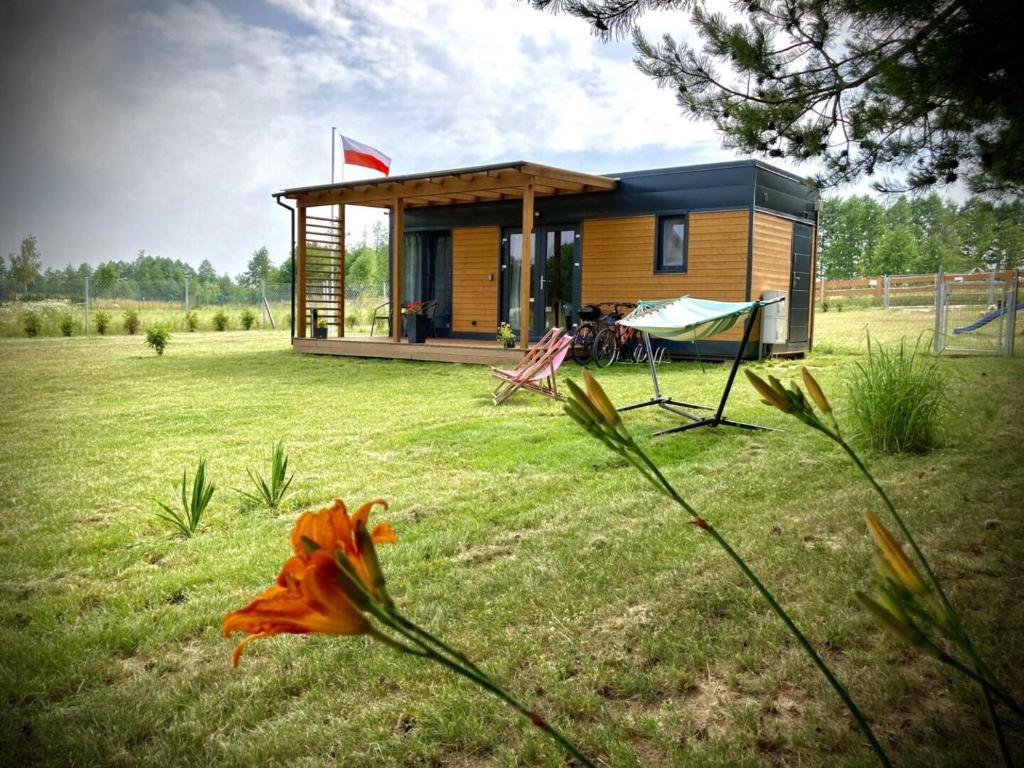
525, 310
397, 236
341, 276
300, 277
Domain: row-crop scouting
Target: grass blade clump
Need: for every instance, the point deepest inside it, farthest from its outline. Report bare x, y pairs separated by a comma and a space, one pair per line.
186, 519
896, 398
271, 494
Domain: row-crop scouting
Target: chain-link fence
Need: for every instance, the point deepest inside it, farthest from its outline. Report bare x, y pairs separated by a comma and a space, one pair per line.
84, 306
74, 307
952, 313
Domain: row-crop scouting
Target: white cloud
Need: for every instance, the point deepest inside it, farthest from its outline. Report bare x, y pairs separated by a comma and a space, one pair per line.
167, 128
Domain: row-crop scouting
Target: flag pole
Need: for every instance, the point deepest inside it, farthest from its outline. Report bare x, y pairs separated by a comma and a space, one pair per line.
333, 129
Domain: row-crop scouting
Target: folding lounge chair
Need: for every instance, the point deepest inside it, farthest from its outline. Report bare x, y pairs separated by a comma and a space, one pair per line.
536, 371
689, 319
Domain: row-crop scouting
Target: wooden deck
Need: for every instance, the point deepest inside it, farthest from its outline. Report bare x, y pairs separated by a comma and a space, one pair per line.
434, 350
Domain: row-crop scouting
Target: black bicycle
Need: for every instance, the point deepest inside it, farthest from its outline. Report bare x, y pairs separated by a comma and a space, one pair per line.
583, 339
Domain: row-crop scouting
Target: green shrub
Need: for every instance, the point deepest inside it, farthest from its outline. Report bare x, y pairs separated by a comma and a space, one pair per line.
897, 398
158, 336
131, 321
32, 324
220, 320
102, 322
352, 320
66, 323
248, 318
191, 321
186, 520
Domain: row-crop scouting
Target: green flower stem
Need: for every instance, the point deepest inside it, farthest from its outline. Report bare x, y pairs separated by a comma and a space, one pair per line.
837, 686
460, 657
987, 685
980, 667
460, 665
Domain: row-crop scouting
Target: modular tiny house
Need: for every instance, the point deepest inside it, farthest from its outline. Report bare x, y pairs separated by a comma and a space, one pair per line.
725, 231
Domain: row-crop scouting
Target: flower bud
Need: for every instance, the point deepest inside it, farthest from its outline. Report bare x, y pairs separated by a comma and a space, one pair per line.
814, 390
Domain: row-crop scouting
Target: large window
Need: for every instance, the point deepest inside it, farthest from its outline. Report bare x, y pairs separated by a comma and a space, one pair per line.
671, 255
427, 274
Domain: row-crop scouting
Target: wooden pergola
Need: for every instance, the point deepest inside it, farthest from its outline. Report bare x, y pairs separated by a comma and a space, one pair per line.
482, 184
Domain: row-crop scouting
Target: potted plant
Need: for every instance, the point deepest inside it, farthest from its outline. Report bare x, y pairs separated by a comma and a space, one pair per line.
506, 336
320, 332
416, 324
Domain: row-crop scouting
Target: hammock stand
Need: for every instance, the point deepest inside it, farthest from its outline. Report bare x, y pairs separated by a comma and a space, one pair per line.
673, 319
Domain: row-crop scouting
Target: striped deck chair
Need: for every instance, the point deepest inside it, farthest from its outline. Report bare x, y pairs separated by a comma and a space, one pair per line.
536, 371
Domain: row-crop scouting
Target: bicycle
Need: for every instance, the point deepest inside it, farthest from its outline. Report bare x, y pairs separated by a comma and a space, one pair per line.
611, 341
583, 339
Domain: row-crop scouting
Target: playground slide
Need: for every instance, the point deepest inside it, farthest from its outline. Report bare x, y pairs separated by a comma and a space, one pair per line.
985, 320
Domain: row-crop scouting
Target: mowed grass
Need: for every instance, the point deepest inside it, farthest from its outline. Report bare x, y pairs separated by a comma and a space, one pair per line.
520, 540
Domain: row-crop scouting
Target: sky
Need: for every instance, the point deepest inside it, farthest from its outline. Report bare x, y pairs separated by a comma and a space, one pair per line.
166, 126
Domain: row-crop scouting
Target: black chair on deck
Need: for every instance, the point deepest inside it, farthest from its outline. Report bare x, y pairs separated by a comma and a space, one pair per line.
428, 311
382, 314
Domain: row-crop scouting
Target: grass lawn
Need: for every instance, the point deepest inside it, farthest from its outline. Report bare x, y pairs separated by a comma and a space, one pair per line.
520, 540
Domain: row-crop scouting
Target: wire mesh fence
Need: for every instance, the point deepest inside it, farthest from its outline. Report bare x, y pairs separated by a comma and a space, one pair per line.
127, 307
968, 313
81, 306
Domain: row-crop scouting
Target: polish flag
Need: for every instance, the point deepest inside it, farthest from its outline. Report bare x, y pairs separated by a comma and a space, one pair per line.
357, 153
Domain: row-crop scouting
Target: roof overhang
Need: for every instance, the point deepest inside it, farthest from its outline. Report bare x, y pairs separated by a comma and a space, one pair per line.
480, 184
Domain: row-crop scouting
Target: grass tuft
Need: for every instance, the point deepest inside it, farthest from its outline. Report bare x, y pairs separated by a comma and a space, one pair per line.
896, 397
186, 520
271, 494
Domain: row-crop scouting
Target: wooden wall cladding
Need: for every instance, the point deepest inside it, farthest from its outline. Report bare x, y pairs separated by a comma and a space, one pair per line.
474, 295
618, 260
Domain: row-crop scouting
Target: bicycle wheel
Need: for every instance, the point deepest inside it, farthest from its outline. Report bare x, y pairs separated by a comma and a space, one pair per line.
583, 344
606, 348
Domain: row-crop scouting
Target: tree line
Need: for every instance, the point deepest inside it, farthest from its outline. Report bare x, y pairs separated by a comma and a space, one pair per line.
861, 237
22, 275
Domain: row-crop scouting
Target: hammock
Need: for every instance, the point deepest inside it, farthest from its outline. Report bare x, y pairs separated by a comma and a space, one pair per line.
689, 319
686, 319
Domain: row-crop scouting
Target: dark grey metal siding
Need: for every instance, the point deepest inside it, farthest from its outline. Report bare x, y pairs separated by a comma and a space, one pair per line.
719, 186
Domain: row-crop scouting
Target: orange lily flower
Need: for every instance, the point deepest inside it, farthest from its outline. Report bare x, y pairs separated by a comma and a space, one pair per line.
307, 596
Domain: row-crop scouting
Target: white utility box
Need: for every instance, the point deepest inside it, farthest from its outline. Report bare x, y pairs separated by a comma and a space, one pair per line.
775, 318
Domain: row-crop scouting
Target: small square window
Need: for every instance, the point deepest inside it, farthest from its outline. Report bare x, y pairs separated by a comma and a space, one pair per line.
671, 256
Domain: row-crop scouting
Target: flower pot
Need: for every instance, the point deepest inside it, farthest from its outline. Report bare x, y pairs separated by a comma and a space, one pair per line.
320, 333
416, 328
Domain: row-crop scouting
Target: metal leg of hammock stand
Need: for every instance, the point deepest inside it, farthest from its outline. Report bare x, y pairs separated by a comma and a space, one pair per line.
718, 419
673, 406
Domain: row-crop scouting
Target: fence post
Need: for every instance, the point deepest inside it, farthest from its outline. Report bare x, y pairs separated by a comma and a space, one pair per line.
86, 323
992, 288
885, 291
186, 294
1011, 313
263, 303
939, 309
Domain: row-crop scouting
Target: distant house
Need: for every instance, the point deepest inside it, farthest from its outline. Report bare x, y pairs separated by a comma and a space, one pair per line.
726, 231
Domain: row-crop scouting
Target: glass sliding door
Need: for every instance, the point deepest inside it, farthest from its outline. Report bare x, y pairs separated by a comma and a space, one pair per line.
511, 275
554, 278
427, 274
558, 279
